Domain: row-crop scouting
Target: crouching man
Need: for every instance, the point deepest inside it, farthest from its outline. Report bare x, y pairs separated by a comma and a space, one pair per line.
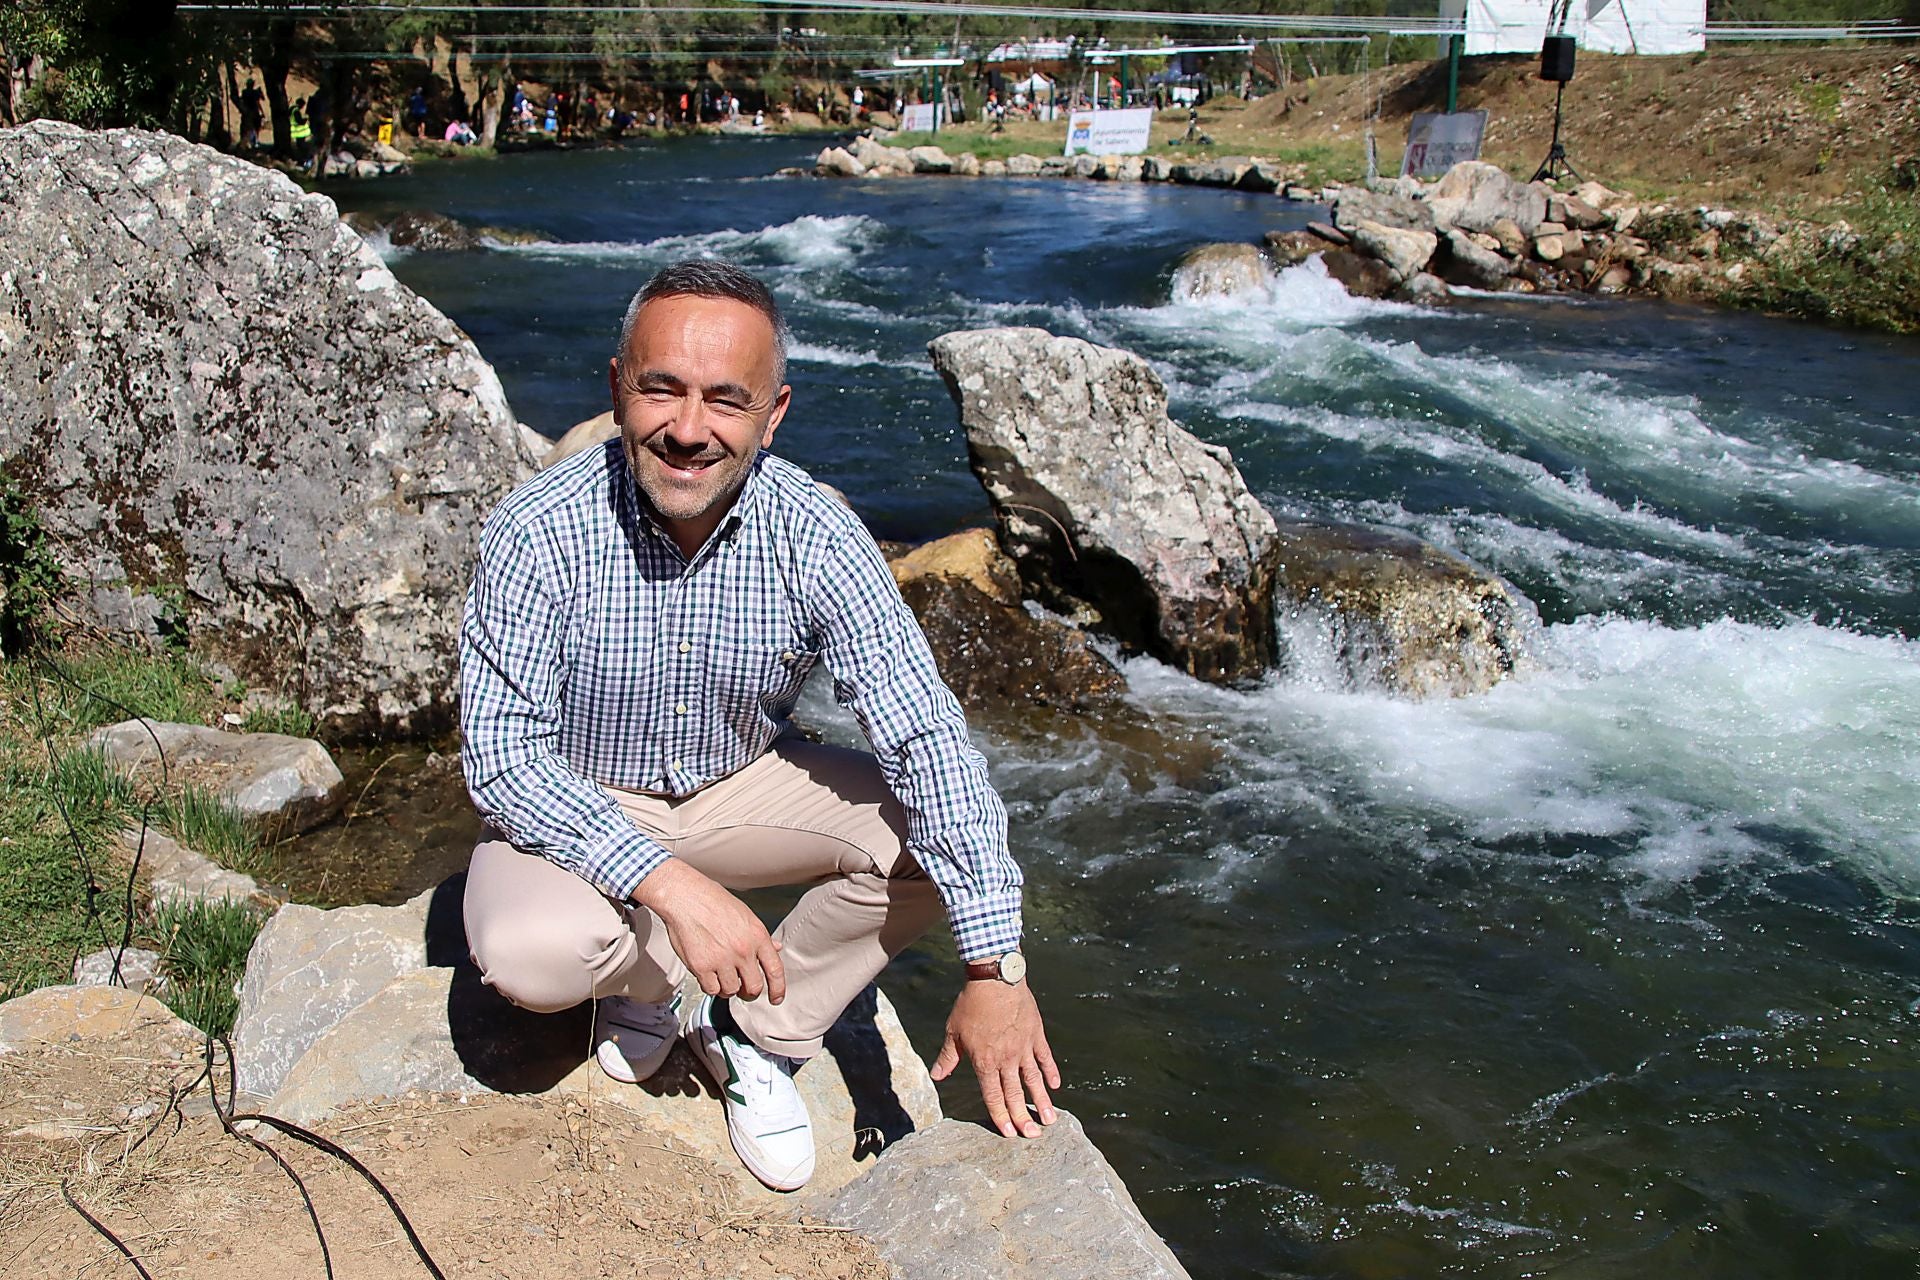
641, 620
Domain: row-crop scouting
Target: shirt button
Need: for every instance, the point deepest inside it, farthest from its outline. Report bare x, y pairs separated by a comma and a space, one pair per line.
685, 646
677, 765
680, 710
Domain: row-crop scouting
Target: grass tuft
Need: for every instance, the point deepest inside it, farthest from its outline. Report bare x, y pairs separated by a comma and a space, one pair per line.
295, 722
211, 825
203, 948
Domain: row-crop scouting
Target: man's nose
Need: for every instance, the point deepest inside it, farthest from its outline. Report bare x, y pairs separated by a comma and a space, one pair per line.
689, 422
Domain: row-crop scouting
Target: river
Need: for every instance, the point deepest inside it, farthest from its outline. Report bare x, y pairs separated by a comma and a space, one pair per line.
1611, 972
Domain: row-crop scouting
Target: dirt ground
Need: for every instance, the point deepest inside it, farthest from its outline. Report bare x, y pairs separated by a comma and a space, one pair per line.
496, 1187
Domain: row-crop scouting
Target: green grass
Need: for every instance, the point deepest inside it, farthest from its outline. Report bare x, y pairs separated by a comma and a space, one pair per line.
292, 721
203, 821
62, 803
50, 912
203, 949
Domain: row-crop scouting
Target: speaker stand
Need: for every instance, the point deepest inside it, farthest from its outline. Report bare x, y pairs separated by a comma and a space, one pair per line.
1555, 166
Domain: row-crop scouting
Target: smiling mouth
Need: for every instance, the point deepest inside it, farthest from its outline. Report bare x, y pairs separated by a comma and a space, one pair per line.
686, 466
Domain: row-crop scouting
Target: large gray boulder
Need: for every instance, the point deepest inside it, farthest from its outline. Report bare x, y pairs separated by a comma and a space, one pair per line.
957, 1202
1388, 611
366, 1003
1104, 503
238, 426
309, 969
1473, 195
283, 783
1461, 261
1405, 253
1355, 205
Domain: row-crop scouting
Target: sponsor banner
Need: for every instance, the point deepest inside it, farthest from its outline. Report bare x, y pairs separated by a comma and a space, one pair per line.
1110, 133
918, 118
1437, 142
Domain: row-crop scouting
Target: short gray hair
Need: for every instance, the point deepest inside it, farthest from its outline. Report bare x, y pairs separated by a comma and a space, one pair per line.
710, 278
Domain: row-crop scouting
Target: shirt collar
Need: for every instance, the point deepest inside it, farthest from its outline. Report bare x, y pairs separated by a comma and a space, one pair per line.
635, 506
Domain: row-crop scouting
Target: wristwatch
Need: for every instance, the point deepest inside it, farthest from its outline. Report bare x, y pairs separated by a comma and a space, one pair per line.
1009, 968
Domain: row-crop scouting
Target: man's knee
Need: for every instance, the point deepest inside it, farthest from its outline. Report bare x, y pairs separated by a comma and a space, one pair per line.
540, 967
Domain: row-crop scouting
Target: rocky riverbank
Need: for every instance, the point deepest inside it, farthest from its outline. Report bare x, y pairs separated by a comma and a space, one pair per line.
1476, 228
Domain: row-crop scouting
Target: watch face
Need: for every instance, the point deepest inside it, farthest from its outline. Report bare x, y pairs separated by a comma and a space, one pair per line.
1013, 967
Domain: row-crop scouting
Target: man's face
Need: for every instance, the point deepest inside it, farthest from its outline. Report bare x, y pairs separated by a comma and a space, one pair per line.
695, 399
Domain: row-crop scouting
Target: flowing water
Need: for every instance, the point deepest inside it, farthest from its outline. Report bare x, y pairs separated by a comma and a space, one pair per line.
1613, 971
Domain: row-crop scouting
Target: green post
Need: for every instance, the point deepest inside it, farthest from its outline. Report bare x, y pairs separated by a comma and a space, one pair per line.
939, 96
1124, 82
1454, 45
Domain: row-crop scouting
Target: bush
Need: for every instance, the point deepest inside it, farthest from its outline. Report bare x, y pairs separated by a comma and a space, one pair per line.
1865, 272
29, 576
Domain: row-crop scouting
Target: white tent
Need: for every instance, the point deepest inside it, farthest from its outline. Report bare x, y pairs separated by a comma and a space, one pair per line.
1604, 26
1035, 85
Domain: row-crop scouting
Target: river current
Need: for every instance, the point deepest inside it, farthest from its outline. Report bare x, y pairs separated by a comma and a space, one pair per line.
1611, 972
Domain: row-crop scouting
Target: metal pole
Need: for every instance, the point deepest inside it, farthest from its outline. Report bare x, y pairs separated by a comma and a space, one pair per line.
1454, 45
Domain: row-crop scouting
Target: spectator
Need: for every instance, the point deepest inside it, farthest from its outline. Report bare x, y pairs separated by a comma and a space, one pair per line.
460, 133
417, 112
250, 115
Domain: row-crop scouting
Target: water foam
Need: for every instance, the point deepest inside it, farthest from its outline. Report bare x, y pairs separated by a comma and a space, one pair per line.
807, 241
1688, 748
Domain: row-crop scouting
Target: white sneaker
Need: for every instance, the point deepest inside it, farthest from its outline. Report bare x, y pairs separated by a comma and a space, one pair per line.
766, 1117
633, 1037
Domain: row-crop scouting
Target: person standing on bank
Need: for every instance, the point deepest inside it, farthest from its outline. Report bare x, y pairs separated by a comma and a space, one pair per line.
641, 620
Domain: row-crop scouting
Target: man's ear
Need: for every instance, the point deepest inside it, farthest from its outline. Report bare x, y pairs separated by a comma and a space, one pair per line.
613, 386
780, 403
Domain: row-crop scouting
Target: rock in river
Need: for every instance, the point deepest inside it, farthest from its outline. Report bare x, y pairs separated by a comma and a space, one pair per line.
1390, 611
1103, 502
238, 427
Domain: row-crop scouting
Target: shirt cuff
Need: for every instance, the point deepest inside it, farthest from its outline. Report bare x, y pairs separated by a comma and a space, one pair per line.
618, 863
987, 925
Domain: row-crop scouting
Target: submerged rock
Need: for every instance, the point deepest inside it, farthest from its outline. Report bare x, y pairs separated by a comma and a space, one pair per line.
236, 424
1220, 271
1390, 611
1104, 503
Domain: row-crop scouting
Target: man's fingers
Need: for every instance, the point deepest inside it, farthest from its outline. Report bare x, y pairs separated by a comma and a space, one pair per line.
1030, 1076
993, 1093
1044, 1052
946, 1060
770, 964
1015, 1104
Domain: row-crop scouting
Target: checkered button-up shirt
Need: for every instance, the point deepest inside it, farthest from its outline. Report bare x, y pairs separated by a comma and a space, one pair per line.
594, 652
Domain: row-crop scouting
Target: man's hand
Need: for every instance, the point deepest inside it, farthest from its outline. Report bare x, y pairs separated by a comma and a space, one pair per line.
998, 1026
721, 941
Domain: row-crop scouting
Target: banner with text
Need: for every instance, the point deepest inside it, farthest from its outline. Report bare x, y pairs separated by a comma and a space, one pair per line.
1437, 142
1110, 133
918, 118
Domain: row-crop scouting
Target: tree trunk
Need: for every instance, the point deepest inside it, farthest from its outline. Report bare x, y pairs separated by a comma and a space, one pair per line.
7, 117
276, 62
491, 100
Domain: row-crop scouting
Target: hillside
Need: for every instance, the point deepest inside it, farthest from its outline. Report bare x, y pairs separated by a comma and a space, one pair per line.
1783, 130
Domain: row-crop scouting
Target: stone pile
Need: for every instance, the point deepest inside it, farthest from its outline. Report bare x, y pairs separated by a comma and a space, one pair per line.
1478, 228
865, 157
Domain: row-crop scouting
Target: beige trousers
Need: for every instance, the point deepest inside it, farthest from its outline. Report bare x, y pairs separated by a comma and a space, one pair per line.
802, 813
